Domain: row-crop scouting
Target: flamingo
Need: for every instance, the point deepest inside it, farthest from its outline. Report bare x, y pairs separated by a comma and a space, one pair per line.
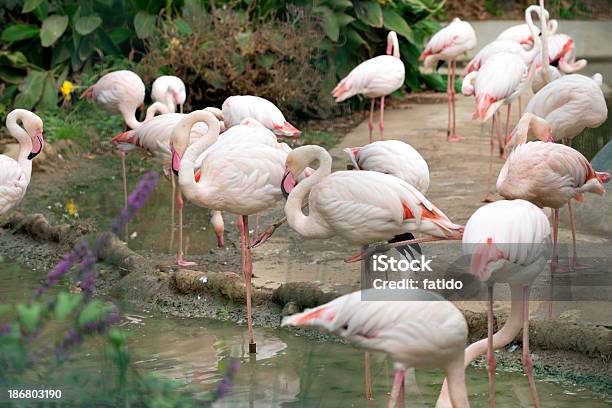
362, 207
377, 77
446, 45
392, 157
239, 107
415, 328
154, 137
169, 90
507, 242
15, 175
239, 178
522, 34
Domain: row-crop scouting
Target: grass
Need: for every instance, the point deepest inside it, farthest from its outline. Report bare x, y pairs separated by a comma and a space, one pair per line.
319, 137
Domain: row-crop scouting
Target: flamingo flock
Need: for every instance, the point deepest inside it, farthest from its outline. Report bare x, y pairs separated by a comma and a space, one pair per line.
230, 160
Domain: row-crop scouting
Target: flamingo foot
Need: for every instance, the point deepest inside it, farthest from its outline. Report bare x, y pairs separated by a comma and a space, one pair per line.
354, 258
576, 266
454, 138
263, 237
488, 198
183, 262
556, 268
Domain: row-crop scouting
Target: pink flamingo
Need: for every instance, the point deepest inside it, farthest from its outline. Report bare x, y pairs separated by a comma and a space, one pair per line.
237, 108
446, 45
239, 178
507, 242
548, 175
154, 136
407, 328
362, 207
376, 77
522, 35
15, 175
169, 90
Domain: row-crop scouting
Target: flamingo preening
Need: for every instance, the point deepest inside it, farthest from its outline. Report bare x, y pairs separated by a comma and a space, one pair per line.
506, 242
169, 90
15, 175
239, 107
242, 179
406, 326
447, 45
377, 77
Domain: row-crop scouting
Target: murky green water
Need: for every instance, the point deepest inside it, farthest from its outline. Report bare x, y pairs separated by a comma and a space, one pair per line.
289, 370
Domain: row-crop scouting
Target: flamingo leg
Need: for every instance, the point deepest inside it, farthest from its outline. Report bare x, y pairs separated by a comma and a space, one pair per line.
368, 376
501, 147
381, 124
448, 100
371, 122
396, 389
125, 195
453, 135
490, 356
527, 361
402, 395
179, 256
172, 225
554, 263
247, 270
574, 265
500, 141
488, 196
181, 108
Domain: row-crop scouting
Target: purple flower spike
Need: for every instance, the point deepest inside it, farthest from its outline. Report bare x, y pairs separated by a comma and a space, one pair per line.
6, 329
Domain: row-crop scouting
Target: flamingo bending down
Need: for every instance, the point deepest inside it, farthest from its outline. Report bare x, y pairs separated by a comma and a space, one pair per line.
392, 157
237, 108
239, 178
377, 77
15, 175
416, 329
169, 90
507, 242
548, 175
154, 137
446, 45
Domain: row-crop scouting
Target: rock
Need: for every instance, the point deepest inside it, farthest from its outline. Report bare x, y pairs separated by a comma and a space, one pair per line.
302, 294
289, 309
226, 284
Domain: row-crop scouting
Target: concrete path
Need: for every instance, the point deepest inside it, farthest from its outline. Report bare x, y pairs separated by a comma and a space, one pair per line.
458, 184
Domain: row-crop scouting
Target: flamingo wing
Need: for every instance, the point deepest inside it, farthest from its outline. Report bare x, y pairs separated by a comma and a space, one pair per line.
13, 183
375, 77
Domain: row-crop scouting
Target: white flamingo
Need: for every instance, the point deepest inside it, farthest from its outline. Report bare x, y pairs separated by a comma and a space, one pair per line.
169, 90
15, 175
239, 107
374, 78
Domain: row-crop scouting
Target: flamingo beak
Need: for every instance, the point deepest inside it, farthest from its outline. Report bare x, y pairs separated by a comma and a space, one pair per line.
37, 145
176, 162
287, 130
176, 98
288, 183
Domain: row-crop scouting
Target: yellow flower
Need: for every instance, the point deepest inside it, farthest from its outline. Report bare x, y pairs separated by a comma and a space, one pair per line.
71, 208
67, 89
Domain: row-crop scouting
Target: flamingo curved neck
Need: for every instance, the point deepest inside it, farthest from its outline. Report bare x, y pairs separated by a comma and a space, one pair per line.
170, 103
532, 29
156, 108
24, 139
307, 225
393, 45
544, 30
130, 119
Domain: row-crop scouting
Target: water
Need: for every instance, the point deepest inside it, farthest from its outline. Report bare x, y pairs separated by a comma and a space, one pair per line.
289, 370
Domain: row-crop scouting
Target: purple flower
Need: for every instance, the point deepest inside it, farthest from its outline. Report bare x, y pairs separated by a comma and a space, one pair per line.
6, 329
226, 382
136, 200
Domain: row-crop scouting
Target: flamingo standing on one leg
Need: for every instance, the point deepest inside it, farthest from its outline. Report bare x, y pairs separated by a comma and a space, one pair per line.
548, 175
415, 328
362, 207
15, 175
507, 242
376, 77
154, 137
169, 90
239, 178
446, 45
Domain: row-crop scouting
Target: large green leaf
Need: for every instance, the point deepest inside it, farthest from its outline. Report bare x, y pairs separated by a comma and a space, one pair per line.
86, 24
393, 21
144, 23
30, 90
354, 39
119, 35
86, 48
19, 32
49, 96
339, 4
16, 59
29, 5
344, 19
107, 44
332, 30
370, 13
52, 28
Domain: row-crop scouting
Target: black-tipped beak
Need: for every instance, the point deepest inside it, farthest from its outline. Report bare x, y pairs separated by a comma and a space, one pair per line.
176, 163
37, 146
287, 183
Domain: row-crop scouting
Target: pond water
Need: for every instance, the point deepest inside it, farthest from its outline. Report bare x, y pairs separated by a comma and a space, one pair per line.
289, 370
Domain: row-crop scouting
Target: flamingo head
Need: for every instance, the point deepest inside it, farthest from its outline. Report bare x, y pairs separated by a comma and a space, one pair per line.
34, 127
219, 228
176, 161
542, 129
286, 130
484, 259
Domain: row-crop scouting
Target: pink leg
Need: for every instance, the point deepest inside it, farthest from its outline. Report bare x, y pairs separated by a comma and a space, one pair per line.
453, 136
247, 270
179, 256
402, 394
172, 200
371, 123
554, 263
501, 148
181, 108
527, 361
381, 124
574, 265
490, 356
448, 100
396, 389
488, 196
125, 195
368, 376
500, 141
